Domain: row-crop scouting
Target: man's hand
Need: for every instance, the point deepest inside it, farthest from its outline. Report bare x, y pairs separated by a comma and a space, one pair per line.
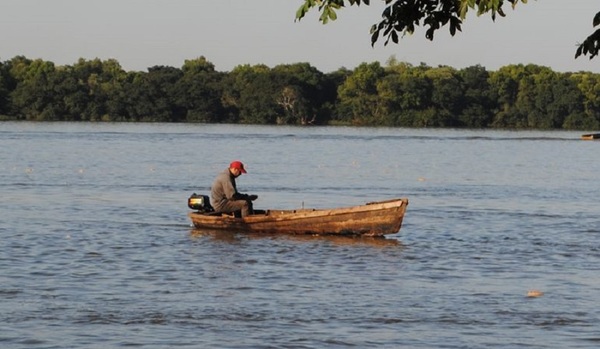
239, 196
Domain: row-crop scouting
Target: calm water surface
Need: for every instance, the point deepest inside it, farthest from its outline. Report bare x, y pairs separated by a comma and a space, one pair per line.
96, 250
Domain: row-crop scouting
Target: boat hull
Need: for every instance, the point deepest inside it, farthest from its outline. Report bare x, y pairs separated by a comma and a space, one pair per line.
590, 136
372, 219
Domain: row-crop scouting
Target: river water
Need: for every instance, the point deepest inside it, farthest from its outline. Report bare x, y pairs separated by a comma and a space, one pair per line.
96, 250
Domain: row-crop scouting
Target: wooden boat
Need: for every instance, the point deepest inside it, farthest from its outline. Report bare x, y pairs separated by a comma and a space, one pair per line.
372, 219
590, 136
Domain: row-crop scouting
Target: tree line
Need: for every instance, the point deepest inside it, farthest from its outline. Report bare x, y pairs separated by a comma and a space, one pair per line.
397, 95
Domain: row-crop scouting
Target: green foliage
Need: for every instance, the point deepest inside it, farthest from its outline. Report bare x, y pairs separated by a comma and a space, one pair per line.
301, 94
33, 96
581, 121
151, 96
401, 17
327, 8
199, 90
397, 95
250, 95
6, 85
359, 95
591, 45
480, 102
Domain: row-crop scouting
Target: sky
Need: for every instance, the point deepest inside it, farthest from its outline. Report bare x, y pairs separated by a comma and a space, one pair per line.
144, 33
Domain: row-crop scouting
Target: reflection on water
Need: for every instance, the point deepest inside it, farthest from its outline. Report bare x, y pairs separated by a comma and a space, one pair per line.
233, 237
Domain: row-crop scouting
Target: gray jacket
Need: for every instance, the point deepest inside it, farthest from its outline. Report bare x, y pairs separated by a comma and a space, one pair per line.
223, 189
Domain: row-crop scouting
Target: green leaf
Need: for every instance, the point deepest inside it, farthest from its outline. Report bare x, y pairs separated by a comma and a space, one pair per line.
596, 19
579, 51
395, 37
301, 11
324, 15
332, 15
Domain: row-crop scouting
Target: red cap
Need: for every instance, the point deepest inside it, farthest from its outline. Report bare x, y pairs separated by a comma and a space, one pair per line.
238, 165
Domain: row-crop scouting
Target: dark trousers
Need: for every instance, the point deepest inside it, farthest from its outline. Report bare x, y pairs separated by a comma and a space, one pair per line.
244, 206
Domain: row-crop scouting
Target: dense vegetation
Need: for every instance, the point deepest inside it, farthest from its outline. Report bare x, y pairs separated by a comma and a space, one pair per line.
399, 94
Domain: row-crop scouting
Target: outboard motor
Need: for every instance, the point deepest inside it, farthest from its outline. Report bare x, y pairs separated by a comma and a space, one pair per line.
201, 203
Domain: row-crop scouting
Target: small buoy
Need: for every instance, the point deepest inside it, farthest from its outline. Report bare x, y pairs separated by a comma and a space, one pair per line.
534, 293
421, 179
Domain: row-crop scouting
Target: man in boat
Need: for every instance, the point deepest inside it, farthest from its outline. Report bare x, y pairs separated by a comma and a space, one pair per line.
224, 195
